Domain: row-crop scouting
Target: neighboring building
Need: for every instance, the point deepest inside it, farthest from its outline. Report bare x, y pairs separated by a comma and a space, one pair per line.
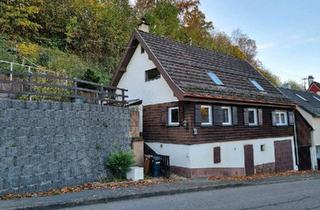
211, 113
314, 87
308, 125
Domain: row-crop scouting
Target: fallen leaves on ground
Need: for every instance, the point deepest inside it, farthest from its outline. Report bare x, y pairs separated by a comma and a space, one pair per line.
89, 186
259, 176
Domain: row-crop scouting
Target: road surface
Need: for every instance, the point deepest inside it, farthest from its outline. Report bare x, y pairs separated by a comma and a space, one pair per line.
292, 195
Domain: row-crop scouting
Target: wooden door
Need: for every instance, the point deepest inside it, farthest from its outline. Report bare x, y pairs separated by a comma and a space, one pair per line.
248, 159
283, 155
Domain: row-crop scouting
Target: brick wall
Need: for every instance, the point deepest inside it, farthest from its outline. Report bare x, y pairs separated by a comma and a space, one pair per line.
46, 145
155, 131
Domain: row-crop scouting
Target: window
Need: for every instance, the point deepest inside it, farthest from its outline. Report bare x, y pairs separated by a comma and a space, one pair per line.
216, 155
262, 147
215, 78
281, 118
173, 117
253, 117
226, 115
301, 97
257, 85
318, 99
152, 74
206, 115
142, 50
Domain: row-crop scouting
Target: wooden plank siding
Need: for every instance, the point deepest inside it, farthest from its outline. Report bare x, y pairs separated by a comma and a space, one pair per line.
155, 131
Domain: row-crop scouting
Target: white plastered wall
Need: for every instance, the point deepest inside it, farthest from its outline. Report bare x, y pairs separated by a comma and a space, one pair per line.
150, 92
232, 153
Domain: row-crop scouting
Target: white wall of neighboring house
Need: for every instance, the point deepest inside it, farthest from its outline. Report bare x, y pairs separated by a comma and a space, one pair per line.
232, 153
315, 136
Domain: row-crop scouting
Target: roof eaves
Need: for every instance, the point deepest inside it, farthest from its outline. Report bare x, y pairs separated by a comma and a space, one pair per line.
236, 100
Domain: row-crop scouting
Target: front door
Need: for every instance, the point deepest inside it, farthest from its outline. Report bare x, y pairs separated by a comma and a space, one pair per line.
248, 159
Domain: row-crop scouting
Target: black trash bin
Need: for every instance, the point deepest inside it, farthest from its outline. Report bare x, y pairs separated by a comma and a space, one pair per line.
155, 167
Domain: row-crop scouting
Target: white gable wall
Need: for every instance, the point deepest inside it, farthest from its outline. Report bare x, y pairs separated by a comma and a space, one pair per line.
151, 92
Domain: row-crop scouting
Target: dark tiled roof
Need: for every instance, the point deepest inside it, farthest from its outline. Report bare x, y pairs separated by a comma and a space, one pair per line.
312, 105
187, 66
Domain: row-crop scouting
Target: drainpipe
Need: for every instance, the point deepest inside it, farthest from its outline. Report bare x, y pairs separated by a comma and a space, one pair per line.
296, 141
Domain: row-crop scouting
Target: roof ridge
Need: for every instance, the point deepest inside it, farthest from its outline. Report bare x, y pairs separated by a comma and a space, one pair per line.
195, 46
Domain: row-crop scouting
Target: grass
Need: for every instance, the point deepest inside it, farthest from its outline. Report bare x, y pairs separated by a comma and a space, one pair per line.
50, 59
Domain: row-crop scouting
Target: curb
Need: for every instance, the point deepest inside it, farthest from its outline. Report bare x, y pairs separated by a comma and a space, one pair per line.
92, 200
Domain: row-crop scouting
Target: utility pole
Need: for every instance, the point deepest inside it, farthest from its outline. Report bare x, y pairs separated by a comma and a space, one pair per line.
304, 80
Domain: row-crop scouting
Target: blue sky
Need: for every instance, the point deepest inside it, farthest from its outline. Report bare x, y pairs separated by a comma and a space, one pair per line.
287, 32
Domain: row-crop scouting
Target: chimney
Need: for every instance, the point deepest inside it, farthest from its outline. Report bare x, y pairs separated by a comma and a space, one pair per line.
310, 80
143, 26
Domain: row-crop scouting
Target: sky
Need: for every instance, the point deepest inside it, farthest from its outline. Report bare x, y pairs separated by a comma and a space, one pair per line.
287, 32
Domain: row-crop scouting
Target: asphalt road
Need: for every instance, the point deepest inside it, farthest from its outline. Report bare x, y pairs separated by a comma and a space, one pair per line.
291, 195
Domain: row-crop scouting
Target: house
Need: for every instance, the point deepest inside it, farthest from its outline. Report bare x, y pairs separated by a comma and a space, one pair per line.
314, 87
308, 126
211, 113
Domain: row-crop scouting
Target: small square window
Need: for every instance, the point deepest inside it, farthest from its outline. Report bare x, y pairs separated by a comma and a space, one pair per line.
253, 117
173, 116
152, 74
262, 147
226, 116
206, 115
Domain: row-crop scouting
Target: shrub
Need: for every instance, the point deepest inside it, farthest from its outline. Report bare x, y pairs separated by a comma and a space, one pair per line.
119, 163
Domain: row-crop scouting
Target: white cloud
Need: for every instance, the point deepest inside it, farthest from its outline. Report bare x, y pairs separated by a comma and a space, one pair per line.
265, 46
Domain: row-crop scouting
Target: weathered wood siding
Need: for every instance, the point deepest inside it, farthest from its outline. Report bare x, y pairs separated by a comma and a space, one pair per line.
155, 130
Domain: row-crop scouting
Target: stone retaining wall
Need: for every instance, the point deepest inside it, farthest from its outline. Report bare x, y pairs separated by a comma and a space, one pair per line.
45, 145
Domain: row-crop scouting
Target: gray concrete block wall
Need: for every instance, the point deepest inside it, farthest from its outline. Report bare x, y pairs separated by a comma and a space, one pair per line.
46, 145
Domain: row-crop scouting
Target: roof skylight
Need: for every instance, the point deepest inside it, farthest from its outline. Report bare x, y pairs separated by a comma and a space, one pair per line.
215, 78
318, 99
301, 97
257, 85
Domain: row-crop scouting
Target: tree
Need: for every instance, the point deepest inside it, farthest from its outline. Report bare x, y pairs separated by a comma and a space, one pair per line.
247, 45
293, 85
18, 17
163, 20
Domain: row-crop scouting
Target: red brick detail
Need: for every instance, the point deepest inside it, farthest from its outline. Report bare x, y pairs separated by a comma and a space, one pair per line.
207, 172
265, 168
155, 131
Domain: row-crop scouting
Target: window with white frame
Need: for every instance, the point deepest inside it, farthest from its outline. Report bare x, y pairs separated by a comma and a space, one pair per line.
281, 118
173, 116
253, 117
206, 115
226, 115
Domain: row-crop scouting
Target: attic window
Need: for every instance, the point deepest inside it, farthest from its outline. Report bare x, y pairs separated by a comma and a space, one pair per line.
215, 78
152, 74
142, 50
301, 97
318, 99
257, 85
